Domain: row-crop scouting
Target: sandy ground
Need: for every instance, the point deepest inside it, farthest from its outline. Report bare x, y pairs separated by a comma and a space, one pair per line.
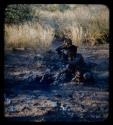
27, 100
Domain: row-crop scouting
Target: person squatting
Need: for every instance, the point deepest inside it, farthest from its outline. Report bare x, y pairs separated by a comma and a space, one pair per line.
75, 68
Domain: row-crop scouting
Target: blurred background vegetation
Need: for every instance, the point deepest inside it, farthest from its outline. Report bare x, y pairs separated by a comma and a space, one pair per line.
36, 25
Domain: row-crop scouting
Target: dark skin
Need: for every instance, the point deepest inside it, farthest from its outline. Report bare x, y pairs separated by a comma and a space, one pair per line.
73, 68
67, 50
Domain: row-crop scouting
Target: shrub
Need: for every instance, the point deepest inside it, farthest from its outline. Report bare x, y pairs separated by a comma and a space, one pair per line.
18, 13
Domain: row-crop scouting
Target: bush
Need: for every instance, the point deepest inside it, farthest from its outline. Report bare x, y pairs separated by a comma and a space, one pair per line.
82, 23
18, 13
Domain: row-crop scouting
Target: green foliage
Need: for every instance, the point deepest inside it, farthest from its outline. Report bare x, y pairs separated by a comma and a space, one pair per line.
52, 8
55, 7
17, 13
63, 7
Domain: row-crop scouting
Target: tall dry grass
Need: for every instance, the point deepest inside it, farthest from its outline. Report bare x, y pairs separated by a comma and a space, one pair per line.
29, 35
84, 24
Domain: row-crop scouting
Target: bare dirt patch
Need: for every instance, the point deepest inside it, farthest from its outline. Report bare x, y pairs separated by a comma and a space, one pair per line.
27, 100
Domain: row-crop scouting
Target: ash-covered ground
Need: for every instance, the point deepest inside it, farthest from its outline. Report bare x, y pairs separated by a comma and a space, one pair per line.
28, 100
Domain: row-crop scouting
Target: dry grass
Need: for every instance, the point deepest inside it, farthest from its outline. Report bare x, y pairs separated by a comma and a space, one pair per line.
29, 35
83, 24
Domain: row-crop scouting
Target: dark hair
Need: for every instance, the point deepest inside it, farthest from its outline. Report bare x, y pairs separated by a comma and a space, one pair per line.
68, 41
